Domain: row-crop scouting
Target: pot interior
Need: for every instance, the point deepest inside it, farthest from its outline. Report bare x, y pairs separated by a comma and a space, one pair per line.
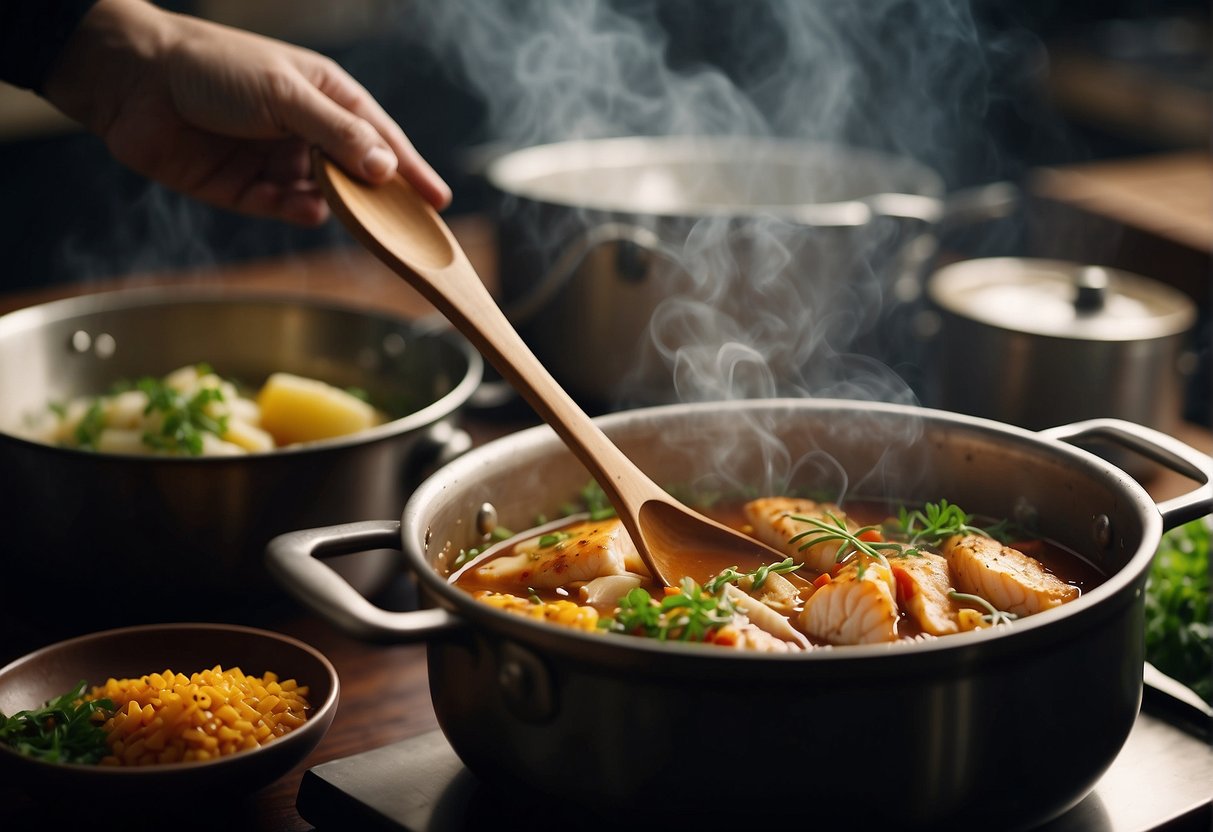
828, 449
82, 346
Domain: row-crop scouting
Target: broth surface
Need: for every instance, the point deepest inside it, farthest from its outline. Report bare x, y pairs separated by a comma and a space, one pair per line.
910, 590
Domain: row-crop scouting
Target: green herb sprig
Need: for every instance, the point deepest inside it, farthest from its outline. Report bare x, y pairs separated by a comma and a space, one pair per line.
993, 615
184, 418
65, 730
497, 535
836, 530
593, 501
691, 614
88, 431
936, 522
758, 576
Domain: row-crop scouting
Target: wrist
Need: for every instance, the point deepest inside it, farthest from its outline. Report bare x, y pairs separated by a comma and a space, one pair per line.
116, 42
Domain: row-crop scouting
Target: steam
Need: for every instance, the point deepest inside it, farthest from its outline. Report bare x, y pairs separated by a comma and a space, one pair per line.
901, 75
763, 307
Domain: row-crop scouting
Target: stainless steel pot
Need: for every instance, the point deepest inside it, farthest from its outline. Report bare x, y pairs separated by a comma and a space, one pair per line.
1010, 726
97, 529
1039, 343
626, 264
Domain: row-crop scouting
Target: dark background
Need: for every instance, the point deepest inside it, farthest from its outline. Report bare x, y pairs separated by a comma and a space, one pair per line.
70, 213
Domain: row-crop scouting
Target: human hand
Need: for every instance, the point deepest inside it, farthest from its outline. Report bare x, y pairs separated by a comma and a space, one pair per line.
224, 115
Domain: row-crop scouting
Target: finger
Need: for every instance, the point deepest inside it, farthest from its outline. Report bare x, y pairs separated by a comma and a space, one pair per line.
257, 178
348, 138
351, 95
300, 203
289, 161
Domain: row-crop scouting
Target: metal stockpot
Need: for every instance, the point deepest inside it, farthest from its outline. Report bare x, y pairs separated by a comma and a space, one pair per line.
115, 534
626, 264
1039, 343
1010, 725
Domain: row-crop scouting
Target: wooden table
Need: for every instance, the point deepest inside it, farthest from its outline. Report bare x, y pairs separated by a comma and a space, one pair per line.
385, 695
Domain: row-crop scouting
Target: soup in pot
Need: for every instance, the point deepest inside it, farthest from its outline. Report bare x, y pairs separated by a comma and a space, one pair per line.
866, 574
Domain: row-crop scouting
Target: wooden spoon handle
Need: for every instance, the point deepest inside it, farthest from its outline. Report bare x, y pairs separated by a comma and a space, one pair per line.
437, 267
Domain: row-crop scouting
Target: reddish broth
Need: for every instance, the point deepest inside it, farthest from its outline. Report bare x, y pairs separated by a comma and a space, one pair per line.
1060, 561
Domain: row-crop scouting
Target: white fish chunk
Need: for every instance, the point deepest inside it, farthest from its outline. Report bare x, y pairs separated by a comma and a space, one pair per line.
1006, 577
585, 551
776, 592
771, 518
606, 591
923, 584
855, 607
763, 617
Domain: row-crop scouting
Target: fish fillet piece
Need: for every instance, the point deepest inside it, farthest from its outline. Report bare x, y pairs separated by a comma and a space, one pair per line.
1006, 577
585, 551
764, 617
923, 584
855, 607
776, 592
772, 520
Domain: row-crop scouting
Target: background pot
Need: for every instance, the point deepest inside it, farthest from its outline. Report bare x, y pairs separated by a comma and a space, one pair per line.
617, 253
945, 718
1039, 343
117, 534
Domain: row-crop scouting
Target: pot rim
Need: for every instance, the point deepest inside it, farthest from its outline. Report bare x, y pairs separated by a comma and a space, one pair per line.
515, 173
1115, 591
31, 318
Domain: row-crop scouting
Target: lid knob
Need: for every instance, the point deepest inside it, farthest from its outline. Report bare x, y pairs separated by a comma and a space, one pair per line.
1090, 290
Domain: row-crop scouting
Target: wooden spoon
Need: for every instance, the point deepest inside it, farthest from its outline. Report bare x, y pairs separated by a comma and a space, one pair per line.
406, 233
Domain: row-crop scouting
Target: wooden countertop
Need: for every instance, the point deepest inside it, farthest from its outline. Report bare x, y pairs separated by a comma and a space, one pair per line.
385, 695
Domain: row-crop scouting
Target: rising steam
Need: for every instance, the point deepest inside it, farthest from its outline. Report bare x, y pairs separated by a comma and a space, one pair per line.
795, 313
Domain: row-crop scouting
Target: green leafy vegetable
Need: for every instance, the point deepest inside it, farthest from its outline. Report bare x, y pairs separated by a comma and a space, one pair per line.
1179, 639
690, 614
88, 432
552, 538
758, 576
66, 730
497, 535
593, 500
184, 419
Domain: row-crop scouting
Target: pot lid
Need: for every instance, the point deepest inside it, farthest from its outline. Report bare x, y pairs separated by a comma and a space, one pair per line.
1061, 299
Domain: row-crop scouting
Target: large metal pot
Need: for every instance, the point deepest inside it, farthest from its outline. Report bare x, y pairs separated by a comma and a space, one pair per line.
1011, 726
628, 264
97, 529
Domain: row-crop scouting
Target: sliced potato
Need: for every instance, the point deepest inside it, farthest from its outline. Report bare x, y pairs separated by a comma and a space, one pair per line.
249, 437
295, 409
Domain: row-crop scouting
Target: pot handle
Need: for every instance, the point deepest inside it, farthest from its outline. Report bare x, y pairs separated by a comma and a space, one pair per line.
1158, 447
294, 559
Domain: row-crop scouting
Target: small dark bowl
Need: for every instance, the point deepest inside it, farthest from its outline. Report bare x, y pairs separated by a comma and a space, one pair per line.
131, 652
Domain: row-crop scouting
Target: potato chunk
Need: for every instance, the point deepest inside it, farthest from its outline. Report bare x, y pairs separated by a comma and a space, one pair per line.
295, 409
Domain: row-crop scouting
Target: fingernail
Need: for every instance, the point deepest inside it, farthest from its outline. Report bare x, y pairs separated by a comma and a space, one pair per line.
378, 164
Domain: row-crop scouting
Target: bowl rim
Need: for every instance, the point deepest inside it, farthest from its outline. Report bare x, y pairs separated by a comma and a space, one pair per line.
317, 721
116, 300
